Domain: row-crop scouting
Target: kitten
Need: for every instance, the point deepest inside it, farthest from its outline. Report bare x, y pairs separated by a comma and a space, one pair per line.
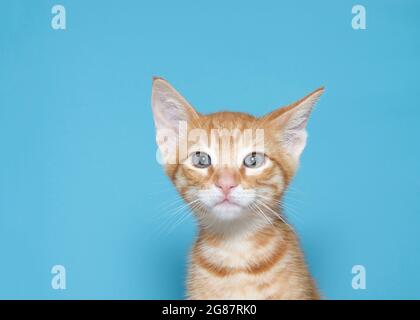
245, 249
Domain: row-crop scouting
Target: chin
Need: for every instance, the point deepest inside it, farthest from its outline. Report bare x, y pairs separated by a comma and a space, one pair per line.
227, 211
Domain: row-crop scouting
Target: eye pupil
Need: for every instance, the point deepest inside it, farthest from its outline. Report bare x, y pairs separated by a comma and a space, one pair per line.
254, 160
201, 160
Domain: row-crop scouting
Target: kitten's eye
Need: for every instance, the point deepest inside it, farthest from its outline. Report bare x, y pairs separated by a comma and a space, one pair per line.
254, 160
201, 160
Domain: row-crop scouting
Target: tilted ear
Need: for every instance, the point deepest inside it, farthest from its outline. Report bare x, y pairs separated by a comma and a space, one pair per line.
169, 107
290, 124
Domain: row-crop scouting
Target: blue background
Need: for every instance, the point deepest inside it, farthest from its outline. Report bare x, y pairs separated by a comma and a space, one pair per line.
79, 184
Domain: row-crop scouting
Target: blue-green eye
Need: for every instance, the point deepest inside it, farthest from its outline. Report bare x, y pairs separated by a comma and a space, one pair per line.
254, 160
201, 160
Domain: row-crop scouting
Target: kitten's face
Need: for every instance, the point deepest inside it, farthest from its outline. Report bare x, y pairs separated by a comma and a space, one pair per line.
229, 166
229, 177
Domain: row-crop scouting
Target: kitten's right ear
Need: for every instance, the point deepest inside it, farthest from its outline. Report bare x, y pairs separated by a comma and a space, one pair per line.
169, 107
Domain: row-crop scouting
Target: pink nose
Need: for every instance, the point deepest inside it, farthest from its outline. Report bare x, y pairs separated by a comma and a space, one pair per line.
226, 182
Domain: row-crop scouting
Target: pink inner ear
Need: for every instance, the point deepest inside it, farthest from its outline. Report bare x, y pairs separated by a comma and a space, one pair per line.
168, 105
173, 113
170, 114
302, 121
293, 136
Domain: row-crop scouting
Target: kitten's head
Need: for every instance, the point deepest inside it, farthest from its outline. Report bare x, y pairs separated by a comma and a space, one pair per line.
229, 166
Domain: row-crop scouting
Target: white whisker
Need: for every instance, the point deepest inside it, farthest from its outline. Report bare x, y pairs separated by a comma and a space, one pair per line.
275, 213
262, 213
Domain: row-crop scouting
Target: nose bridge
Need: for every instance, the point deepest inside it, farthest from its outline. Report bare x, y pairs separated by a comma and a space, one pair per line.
227, 148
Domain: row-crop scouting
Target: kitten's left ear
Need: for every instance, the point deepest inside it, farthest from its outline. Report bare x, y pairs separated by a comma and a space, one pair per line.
290, 123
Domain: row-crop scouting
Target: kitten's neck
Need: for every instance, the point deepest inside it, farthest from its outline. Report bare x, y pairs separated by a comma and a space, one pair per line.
243, 227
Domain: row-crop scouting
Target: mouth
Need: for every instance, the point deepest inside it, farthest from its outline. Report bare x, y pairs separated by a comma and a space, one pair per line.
227, 210
226, 203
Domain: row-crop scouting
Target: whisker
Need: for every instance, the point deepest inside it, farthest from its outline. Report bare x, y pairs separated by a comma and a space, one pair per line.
275, 213
263, 214
177, 214
284, 206
169, 203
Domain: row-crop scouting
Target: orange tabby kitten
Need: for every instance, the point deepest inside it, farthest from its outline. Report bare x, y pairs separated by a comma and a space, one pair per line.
233, 169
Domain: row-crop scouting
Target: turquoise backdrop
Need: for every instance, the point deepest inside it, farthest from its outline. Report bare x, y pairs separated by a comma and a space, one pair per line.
79, 183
